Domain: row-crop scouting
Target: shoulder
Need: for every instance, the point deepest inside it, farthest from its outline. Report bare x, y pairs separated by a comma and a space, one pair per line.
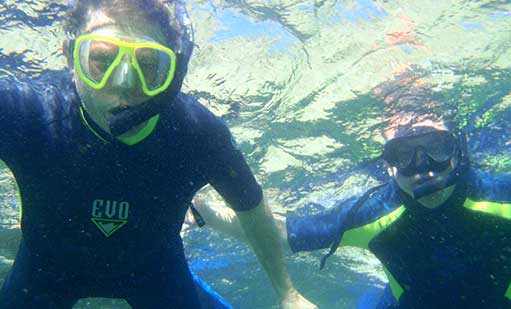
194, 117
15, 90
194, 112
57, 93
41, 98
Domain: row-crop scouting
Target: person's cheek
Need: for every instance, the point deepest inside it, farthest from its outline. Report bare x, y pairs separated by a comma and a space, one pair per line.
405, 183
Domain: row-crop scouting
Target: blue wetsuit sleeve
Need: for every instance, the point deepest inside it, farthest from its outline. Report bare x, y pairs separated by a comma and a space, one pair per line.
15, 110
230, 174
318, 231
485, 186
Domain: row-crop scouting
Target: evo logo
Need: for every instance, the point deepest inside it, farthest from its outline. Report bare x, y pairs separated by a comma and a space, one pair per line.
109, 215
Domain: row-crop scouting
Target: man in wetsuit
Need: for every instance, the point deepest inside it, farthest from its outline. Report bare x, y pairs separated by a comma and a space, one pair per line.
440, 245
107, 159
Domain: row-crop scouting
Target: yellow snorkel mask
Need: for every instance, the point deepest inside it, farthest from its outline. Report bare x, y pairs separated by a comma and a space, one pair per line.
96, 56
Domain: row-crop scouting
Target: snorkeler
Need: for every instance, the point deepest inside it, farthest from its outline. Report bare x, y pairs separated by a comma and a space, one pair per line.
107, 159
439, 249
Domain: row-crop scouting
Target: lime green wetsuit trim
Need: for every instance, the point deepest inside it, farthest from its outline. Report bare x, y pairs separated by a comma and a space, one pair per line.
496, 209
361, 236
142, 134
131, 140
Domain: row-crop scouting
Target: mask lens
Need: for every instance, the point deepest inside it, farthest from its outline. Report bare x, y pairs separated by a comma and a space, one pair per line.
96, 56
442, 149
155, 65
398, 154
404, 155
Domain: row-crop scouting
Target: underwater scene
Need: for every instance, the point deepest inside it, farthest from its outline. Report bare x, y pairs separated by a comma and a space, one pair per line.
309, 90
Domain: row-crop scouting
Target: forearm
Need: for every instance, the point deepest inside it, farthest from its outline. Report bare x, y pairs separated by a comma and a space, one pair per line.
489, 187
307, 233
220, 217
263, 236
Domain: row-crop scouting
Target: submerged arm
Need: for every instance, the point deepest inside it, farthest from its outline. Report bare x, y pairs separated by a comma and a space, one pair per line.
262, 235
257, 227
233, 180
319, 231
221, 218
307, 233
218, 217
485, 186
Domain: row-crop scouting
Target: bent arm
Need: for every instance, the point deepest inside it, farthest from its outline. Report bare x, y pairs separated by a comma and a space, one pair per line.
233, 180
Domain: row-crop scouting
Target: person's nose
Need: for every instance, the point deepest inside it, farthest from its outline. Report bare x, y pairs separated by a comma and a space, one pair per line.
421, 157
124, 75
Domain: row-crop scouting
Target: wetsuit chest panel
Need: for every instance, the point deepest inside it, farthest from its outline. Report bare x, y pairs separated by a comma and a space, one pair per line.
459, 257
87, 198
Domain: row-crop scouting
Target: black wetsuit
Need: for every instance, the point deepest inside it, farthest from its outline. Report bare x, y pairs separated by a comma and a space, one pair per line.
104, 219
450, 257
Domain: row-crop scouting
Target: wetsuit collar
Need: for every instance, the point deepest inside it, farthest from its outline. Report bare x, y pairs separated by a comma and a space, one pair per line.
107, 138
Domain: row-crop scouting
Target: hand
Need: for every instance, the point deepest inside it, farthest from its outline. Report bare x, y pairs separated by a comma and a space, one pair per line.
295, 300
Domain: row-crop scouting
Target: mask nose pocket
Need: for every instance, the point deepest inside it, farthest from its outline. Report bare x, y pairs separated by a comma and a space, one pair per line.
124, 75
420, 158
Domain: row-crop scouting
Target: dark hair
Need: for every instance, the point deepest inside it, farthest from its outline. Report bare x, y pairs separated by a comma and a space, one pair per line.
406, 124
171, 15
411, 103
168, 14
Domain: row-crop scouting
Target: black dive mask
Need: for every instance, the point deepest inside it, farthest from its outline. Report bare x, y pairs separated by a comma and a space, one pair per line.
421, 153
425, 153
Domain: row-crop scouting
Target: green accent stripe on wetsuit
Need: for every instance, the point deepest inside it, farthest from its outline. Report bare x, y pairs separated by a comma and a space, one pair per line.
361, 236
142, 134
130, 140
496, 209
90, 128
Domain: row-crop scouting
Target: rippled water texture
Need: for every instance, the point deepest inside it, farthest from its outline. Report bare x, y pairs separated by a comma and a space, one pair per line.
305, 87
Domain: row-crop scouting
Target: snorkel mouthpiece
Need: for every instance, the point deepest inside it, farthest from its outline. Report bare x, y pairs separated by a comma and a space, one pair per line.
127, 118
434, 185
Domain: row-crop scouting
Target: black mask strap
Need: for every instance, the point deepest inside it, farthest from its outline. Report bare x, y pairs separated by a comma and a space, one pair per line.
340, 232
197, 216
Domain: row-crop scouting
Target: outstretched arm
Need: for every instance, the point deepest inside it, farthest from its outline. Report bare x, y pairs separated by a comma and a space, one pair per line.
221, 218
319, 231
485, 186
307, 233
231, 177
263, 236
